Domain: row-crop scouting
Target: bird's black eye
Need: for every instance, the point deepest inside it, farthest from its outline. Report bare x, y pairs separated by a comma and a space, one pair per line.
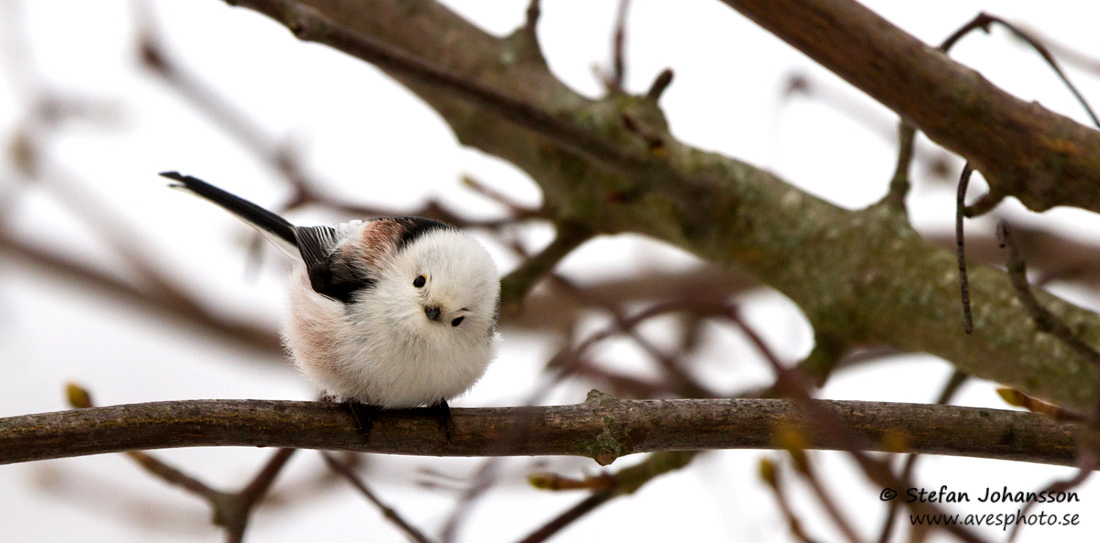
419, 281
457, 321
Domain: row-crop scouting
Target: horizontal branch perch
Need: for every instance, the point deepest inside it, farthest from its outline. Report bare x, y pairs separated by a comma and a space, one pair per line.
602, 428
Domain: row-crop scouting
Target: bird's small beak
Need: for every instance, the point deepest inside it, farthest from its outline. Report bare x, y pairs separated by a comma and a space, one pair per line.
433, 312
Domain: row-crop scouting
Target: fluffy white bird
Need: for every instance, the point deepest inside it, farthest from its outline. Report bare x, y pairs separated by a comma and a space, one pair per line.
387, 313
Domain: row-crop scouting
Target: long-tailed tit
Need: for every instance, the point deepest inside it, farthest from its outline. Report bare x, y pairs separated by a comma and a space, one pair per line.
387, 313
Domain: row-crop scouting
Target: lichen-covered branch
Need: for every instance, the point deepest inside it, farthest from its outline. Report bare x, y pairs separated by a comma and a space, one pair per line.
602, 428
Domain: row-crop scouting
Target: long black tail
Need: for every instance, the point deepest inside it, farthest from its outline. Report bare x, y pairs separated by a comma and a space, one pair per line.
247, 211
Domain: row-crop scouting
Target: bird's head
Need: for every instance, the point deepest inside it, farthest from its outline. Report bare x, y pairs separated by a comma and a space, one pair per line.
444, 287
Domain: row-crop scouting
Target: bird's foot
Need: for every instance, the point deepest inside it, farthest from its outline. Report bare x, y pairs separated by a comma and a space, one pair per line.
364, 416
442, 413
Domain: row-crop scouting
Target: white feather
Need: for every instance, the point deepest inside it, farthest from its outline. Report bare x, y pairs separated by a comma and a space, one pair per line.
381, 349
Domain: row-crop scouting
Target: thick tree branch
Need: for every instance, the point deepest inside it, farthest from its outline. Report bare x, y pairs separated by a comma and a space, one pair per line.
602, 428
1022, 149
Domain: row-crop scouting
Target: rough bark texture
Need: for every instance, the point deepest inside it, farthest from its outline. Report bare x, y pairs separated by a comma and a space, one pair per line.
602, 428
860, 276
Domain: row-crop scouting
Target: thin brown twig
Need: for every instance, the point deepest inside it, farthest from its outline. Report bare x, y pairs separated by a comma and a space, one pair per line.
984, 204
805, 467
1043, 318
261, 483
900, 183
983, 20
531, 16
960, 243
582, 508
619, 384
1060, 50
625, 481
516, 209
618, 49
1018, 398
388, 512
684, 383
660, 85
769, 472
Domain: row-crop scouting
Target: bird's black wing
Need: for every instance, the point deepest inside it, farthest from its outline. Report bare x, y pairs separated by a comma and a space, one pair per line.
331, 272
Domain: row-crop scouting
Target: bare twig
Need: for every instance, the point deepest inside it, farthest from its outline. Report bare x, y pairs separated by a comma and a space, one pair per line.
681, 381
516, 209
659, 85
960, 241
387, 512
983, 20
769, 472
1071, 56
805, 467
607, 487
534, 11
618, 52
1044, 319
899, 183
985, 204
1017, 398
252, 493
573, 513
